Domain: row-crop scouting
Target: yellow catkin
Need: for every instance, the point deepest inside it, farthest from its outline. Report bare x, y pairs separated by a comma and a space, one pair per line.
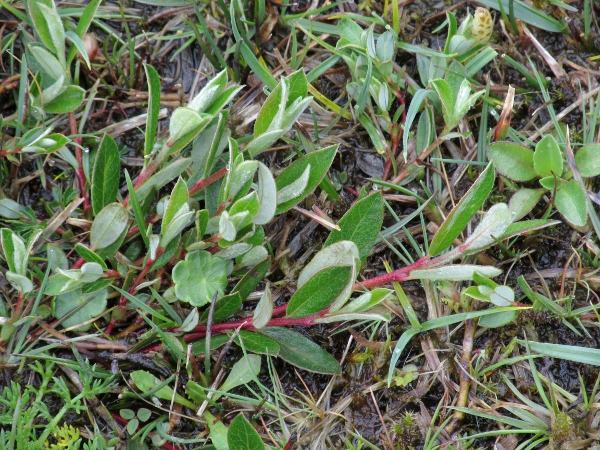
482, 25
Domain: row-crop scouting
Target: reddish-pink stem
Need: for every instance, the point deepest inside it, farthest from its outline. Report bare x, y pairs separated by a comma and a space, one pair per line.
397, 275
79, 157
122, 306
201, 184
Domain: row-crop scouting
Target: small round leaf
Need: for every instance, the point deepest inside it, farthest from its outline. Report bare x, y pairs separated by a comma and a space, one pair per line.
199, 277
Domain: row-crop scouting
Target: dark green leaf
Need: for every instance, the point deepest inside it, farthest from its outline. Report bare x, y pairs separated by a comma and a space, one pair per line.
153, 108
257, 343
242, 436
464, 211
105, 177
252, 278
361, 224
89, 255
318, 162
302, 352
319, 291
225, 307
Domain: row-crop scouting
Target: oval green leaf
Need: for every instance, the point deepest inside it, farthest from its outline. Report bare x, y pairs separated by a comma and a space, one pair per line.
512, 161
361, 224
105, 177
319, 291
302, 352
242, 436
547, 158
464, 211
108, 225
571, 202
588, 160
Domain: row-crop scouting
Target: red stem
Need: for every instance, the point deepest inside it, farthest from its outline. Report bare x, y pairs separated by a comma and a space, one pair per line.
396, 133
122, 306
397, 275
79, 156
201, 184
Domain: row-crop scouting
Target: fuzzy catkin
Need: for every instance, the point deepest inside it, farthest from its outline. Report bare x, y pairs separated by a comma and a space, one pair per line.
482, 25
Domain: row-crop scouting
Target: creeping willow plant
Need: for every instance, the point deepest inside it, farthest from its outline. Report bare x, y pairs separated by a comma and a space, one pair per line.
182, 245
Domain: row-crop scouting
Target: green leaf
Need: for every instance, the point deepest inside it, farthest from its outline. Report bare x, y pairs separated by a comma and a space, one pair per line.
242, 436
411, 114
498, 319
48, 26
243, 372
527, 226
184, 126
502, 296
252, 278
457, 272
342, 253
9, 209
209, 93
164, 176
464, 211
298, 87
571, 202
361, 224
302, 352
225, 307
350, 31
19, 282
588, 160
105, 177
523, 201
68, 101
146, 382
583, 355
264, 309
153, 108
267, 196
83, 24
319, 162
14, 251
257, 343
319, 291
199, 277
512, 161
448, 99
89, 255
47, 62
176, 206
108, 226
366, 301
528, 14
547, 159
90, 306
271, 113
495, 221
